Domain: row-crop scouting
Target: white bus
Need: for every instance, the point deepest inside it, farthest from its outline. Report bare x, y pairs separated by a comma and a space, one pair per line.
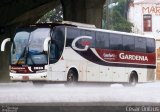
80, 53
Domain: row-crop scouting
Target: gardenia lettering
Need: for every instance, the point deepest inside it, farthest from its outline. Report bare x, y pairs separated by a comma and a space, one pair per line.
133, 57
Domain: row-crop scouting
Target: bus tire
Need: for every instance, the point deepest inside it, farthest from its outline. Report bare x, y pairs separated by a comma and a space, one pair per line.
72, 76
133, 79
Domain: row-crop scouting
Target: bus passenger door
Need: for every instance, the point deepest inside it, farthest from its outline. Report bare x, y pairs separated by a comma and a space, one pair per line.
57, 72
92, 72
56, 64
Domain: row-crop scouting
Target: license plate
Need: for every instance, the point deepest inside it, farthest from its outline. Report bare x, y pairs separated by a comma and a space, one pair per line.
25, 78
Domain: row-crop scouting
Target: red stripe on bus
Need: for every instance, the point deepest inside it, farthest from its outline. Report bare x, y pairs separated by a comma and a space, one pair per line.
127, 56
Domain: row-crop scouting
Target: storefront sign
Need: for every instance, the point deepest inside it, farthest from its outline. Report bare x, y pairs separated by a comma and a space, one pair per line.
151, 10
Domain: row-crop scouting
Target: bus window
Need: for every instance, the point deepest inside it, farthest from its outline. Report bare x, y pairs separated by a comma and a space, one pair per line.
128, 43
140, 44
53, 57
116, 42
81, 43
71, 34
150, 45
93, 35
58, 38
102, 40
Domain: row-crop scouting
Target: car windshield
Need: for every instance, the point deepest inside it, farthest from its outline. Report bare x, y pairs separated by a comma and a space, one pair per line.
27, 47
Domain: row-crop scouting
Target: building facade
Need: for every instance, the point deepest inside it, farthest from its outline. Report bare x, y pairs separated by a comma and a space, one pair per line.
145, 16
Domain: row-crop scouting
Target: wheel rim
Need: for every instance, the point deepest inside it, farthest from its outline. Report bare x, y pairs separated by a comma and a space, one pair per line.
133, 80
71, 77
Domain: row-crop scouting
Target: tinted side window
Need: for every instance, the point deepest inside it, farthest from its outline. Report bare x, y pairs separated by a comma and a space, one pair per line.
71, 34
128, 43
116, 42
53, 53
150, 45
93, 35
102, 40
86, 41
57, 43
140, 44
58, 38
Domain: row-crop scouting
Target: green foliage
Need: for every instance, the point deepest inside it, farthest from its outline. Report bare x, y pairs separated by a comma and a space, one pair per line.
125, 27
117, 17
54, 15
119, 23
121, 6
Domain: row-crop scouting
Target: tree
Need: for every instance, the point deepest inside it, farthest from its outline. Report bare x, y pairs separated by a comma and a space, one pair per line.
119, 23
54, 15
118, 16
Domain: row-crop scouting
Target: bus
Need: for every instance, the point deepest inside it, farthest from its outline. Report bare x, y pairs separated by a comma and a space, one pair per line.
75, 52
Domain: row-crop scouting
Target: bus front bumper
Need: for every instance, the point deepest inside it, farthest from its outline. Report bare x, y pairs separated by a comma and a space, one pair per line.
29, 77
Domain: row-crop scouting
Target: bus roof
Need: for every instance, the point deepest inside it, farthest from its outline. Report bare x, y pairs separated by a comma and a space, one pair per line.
63, 23
85, 27
93, 28
79, 24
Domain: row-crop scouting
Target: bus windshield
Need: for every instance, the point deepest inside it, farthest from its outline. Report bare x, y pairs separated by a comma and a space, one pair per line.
27, 48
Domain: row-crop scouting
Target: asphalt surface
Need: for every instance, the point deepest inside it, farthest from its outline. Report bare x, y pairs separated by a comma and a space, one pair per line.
27, 97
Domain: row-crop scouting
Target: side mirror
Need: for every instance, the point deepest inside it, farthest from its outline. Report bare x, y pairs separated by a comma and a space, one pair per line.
4, 43
46, 43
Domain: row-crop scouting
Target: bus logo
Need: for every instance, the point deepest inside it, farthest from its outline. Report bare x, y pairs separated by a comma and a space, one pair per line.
85, 43
124, 56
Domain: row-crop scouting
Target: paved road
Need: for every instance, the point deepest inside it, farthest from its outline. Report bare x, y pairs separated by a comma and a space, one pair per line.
81, 98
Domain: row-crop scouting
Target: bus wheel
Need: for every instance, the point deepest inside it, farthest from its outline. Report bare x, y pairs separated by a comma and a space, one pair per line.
133, 80
72, 76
